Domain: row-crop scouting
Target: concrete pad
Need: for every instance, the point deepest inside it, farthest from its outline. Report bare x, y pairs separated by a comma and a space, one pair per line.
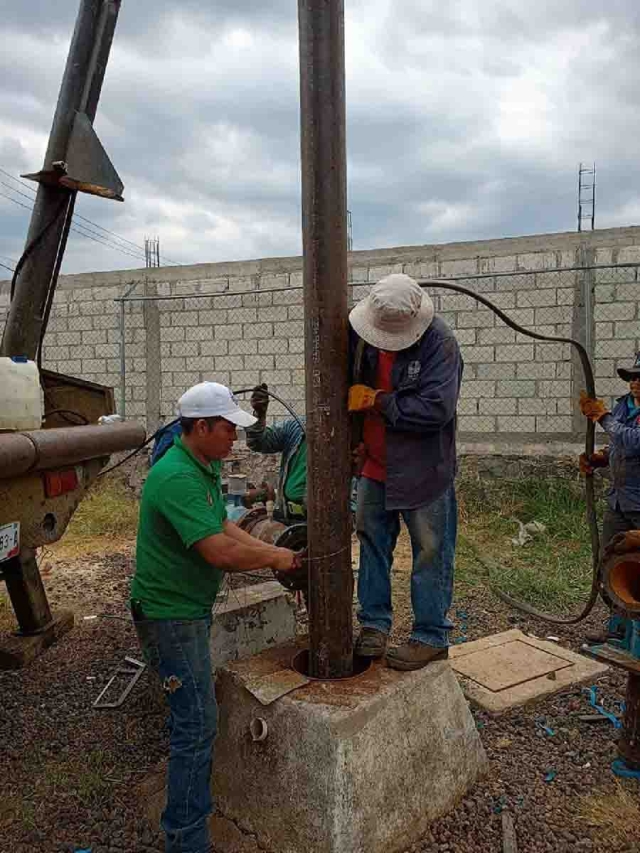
359, 765
18, 651
250, 620
509, 669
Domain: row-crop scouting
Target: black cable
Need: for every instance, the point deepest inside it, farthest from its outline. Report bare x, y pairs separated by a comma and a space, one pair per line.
34, 243
175, 421
279, 400
592, 519
62, 245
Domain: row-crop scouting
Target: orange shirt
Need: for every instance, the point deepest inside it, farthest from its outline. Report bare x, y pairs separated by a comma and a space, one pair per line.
374, 432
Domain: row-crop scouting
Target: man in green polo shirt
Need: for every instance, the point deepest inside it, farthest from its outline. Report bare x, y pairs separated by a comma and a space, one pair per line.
185, 543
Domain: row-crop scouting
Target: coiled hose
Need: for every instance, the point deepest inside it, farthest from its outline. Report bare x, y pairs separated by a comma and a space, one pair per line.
590, 438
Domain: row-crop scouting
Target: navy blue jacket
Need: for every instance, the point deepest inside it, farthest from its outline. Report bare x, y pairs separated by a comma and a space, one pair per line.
623, 430
420, 416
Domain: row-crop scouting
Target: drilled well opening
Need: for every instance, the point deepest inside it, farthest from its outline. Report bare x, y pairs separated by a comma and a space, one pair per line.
300, 663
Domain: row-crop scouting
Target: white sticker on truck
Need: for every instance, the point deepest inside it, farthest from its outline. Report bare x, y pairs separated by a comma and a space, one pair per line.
9, 540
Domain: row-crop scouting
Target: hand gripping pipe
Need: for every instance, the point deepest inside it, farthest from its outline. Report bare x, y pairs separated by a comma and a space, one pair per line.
592, 521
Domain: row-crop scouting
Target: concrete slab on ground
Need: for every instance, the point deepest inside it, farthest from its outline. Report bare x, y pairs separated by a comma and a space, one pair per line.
349, 766
509, 669
251, 619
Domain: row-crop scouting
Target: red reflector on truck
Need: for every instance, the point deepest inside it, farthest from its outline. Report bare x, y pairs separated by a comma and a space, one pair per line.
58, 483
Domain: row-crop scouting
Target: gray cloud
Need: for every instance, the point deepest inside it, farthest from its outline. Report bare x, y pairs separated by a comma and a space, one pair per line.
465, 120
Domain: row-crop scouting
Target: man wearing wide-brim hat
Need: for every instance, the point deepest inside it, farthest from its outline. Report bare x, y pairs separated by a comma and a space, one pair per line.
407, 373
622, 426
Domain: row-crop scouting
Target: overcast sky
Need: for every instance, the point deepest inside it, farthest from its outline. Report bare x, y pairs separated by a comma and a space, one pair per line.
465, 120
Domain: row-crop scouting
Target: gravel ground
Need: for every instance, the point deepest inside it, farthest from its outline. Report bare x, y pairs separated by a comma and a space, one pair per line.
67, 771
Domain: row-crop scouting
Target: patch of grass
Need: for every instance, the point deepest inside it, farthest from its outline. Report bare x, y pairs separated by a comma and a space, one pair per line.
108, 510
616, 815
552, 571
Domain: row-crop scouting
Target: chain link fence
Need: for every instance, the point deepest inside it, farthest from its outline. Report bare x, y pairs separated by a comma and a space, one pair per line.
514, 387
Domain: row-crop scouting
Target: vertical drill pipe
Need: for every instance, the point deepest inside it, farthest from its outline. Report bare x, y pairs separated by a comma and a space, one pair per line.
629, 743
324, 227
79, 92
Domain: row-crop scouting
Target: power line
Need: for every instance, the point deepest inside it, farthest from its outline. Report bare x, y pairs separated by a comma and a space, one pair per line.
78, 230
11, 269
77, 216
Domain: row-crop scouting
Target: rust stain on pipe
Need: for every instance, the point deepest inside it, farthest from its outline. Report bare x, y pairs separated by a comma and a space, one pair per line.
42, 449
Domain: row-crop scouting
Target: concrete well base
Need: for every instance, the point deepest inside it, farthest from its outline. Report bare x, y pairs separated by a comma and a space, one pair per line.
346, 767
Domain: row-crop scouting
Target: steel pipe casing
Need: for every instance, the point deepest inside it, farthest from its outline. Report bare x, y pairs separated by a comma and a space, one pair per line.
39, 450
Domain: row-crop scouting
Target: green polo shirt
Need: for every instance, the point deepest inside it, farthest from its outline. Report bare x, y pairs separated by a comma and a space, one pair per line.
181, 504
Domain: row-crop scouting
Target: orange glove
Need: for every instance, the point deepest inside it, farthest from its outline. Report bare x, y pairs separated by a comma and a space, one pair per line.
588, 464
592, 408
362, 398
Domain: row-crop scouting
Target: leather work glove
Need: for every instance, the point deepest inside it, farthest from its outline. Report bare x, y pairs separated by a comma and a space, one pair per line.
362, 398
592, 408
624, 543
260, 401
588, 464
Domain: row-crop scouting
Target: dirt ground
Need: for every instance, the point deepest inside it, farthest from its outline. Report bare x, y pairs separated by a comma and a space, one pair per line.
68, 772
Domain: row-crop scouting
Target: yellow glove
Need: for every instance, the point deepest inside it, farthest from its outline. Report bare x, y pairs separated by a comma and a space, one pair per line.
592, 408
361, 398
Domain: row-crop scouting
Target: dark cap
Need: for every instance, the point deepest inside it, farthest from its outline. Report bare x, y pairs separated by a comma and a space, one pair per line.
630, 373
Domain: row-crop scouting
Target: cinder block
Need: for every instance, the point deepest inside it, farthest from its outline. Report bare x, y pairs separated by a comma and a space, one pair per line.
231, 332
471, 424
554, 424
496, 371
615, 311
478, 354
287, 297
499, 335
629, 330
475, 388
475, 319
230, 362
521, 388
536, 370
466, 337
552, 315
249, 620
258, 330
554, 388
514, 352
242, 347
95, 365
291, 329
504, 406
80, 323
273, 345
629, 292
182, 318
536, 298
516, 423
216, 347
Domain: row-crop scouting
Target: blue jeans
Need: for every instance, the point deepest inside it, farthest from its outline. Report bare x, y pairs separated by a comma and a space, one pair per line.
178, 652
432, 530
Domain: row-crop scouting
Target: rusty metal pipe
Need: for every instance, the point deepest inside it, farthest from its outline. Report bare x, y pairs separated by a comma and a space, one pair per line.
621, 581
41, 449
324, 231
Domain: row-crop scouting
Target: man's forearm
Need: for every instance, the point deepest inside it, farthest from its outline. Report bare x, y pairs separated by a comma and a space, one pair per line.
230, 555
243, 537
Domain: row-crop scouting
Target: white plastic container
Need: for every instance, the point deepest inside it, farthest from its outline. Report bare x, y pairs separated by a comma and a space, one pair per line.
21, 398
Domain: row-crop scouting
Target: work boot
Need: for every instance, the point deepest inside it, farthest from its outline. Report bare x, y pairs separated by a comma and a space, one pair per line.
414, 655
371, 643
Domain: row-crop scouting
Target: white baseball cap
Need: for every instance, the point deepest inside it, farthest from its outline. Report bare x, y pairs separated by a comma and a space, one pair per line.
212, 400
395, 315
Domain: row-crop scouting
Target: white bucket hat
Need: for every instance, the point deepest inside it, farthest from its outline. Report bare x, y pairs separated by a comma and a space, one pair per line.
212, 400
395, 315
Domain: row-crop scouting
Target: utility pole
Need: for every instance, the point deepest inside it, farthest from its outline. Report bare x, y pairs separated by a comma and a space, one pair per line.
75, 161
324, 226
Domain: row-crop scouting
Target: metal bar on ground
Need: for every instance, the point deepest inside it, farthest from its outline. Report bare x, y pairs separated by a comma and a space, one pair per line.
324, 228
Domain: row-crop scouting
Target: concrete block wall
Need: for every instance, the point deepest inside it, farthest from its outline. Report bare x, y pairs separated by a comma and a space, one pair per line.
242, 322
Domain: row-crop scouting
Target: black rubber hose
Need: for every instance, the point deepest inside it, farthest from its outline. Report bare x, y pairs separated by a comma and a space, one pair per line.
590, 439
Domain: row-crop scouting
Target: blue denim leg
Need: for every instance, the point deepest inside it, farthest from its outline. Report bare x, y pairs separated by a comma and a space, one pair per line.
433, 531
179, 653
378, 532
